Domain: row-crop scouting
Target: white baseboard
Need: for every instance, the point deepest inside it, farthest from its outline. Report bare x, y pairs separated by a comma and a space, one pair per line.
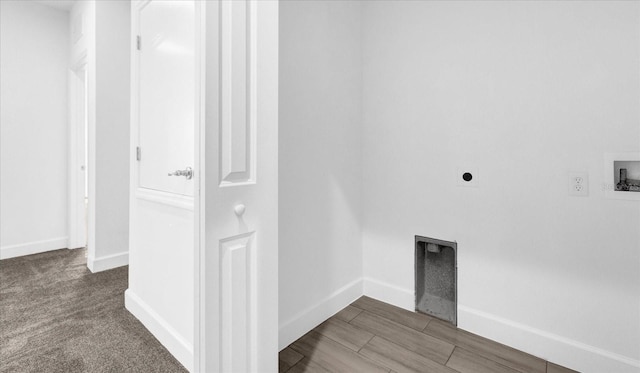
34, 247
108, 262
557, 349
391, 294
311, 317
552, 347
169, 337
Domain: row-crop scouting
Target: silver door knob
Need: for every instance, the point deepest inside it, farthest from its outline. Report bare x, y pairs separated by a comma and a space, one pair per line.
188, 173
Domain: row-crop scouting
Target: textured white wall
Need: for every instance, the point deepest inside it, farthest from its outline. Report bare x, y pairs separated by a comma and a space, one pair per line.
34, 49
320, 161
526, 92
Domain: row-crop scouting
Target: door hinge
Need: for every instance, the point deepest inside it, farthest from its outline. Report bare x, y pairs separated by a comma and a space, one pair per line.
138, 153
138, 42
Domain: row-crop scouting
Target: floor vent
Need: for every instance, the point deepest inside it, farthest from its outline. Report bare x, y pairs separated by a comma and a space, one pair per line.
436, 278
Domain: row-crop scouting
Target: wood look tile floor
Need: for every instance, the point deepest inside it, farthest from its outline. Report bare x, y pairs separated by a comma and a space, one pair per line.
372, 336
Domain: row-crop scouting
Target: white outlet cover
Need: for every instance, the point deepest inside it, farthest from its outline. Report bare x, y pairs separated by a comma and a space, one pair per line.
460, 180
578, 184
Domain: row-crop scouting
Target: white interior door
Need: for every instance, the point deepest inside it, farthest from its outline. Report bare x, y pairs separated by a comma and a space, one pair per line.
167, 95
239, 255
164, 118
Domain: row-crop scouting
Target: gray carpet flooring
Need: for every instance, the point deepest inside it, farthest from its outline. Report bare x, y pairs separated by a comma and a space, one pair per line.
57, 316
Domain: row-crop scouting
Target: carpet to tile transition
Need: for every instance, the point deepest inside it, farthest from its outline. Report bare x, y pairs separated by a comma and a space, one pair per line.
57, 316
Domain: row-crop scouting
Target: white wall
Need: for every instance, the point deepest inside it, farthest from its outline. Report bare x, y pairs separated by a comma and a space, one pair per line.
34, 42
111, 134
100, 33
526, 92
37, 51
320, 163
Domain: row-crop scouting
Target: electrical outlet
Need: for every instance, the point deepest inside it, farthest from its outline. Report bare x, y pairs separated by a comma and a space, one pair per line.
579, 184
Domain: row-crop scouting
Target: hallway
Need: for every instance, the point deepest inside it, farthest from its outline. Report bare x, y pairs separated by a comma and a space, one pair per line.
59, 317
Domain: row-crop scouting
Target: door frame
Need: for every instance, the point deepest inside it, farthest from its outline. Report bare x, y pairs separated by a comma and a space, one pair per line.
76, 222
199, 188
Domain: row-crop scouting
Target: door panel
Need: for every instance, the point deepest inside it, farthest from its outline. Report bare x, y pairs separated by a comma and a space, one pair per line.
238, 283
236, 117
237, 288
167, 95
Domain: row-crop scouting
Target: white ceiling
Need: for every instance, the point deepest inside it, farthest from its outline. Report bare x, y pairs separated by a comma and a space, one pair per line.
58, 4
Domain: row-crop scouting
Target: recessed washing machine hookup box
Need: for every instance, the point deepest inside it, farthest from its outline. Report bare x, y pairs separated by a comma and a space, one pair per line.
436, 278
622, 176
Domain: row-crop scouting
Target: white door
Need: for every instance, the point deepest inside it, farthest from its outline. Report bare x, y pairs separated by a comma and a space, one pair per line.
167, 96
165, 107
238, 316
